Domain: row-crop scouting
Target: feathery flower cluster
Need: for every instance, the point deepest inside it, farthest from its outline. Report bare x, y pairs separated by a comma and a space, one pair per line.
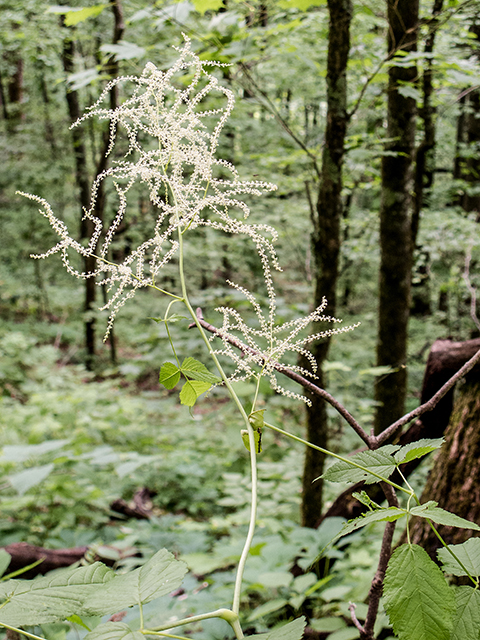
252, 353
180, 174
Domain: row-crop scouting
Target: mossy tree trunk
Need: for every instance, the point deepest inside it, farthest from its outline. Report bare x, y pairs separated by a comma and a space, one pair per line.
395, 217
326, 239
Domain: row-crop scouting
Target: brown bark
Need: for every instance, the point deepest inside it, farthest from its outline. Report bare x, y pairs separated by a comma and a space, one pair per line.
326, 240
395, 219
454, 479
445, 359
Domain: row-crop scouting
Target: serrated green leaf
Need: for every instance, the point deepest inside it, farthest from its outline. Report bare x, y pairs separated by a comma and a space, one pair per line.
466, 625
197, 371
169, 375
417, 449
379, 462
469, 555
256, 419
246, 440
74, 17
418, 600
388, 514
192, 390
158, 577
114, 631
5, 558
365, 499
51, 598
175, 317
440, 516
291, 631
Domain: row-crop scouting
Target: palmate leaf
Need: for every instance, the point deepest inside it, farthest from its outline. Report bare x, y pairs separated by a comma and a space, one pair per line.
158, 577
50, 598
114, 631
466, 625
440, 516
469, 555
418, 600
380, 462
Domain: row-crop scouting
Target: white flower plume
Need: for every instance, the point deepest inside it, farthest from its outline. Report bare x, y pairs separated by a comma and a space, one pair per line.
180, 171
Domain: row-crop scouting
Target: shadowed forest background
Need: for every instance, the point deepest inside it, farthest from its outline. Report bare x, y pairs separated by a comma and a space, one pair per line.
366, 115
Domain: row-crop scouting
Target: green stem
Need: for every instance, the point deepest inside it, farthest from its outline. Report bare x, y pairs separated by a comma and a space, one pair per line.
251, 436
335, 455
225, 614
25, 633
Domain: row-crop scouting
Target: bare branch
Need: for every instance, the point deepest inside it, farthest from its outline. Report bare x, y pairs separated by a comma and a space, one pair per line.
427, 406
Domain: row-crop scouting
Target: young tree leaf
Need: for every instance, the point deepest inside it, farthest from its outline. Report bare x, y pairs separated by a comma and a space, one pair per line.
192, 390
417, 449
158, 577
114, 631
440, 516
418, 600
197, 371
466, 625
175, 317
207, 5
50, 598
169, 375
468, 553
378, 461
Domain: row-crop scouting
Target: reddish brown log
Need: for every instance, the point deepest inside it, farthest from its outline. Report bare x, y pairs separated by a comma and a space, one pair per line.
24, 554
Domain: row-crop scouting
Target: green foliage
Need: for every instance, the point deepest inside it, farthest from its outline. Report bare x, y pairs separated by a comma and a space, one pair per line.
418, 600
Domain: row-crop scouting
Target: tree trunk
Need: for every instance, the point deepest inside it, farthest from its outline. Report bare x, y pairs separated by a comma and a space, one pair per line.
81, 177
326, 239
454, 479
395, 219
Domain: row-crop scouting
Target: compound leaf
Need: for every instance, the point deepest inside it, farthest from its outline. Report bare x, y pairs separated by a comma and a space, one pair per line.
169, 375
158, 577
466, 625
418, 600
468, 553
50, 598
388, 514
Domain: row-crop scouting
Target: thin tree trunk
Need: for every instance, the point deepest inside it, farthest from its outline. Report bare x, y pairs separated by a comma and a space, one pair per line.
326, 239
81, 177
395, 219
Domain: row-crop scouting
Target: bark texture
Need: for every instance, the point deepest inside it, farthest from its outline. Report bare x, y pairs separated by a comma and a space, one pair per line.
395, 218
326, 239
454, 479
